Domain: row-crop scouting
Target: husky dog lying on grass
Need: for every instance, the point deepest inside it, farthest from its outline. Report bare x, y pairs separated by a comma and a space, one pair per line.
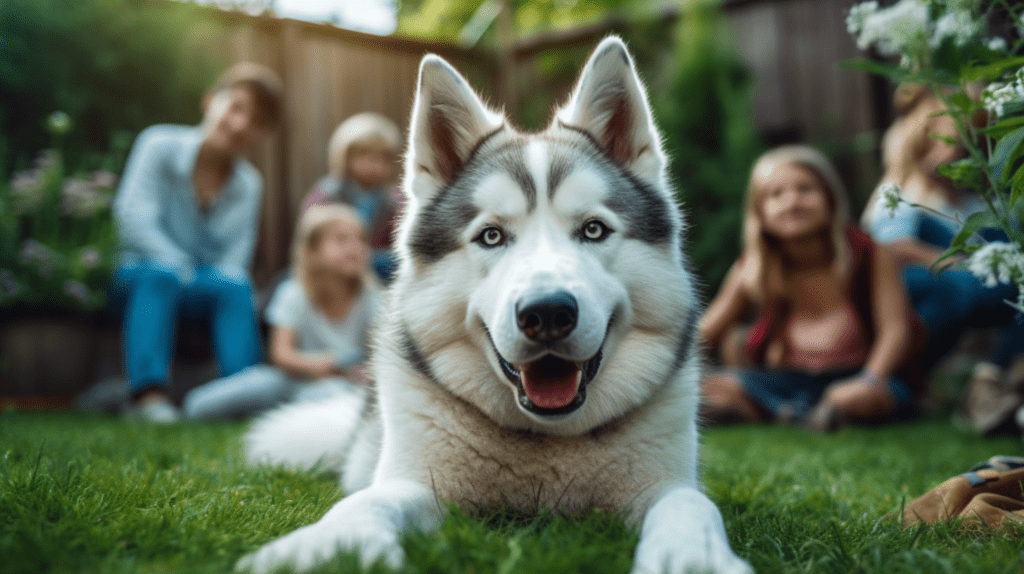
539, 346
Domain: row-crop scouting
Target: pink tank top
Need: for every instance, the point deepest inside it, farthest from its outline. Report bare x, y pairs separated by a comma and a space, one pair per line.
834, 340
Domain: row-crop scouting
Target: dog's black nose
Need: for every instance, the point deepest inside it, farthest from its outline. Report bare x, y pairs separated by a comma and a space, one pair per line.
549, 318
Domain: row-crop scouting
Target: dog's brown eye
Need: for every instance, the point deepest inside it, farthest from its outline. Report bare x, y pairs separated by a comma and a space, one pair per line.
595, 230
491, 237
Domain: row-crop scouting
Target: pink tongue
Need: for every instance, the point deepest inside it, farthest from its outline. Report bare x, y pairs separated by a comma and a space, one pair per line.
550, 383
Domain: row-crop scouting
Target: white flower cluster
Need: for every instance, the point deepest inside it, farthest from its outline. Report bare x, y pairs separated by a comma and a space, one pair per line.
959, 24
907, 23
997, 95
999, 262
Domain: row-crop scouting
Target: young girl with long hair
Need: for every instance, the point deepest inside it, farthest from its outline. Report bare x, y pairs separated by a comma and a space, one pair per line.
321, 320
833, 327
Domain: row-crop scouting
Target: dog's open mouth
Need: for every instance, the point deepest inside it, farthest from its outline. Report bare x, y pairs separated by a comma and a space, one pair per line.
551, 385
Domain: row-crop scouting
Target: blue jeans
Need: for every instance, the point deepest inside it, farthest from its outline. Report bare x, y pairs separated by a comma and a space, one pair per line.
154, 297
954, 300
259, 388
793, 394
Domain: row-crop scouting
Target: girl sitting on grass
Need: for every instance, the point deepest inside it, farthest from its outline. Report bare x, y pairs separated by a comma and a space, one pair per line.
320, 319
833, 324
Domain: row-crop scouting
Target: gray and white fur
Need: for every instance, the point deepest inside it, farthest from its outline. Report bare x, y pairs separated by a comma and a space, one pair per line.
539, 347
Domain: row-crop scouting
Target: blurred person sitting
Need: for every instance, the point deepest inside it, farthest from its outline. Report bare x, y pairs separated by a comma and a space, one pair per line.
914, 148
834, 328
320, 318
363, 157
187, 209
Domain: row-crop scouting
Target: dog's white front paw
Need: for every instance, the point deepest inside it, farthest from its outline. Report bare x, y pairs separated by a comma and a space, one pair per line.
671, 555
307, 547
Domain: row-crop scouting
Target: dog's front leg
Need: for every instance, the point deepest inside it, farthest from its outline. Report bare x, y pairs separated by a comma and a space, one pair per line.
683, 532
369, 522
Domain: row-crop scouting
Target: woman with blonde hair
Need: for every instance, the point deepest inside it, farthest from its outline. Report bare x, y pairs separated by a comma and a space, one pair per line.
833, 322
920, 141
362, 156
321, 320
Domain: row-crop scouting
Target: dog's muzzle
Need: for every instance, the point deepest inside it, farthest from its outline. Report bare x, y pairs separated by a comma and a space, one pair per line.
551, 386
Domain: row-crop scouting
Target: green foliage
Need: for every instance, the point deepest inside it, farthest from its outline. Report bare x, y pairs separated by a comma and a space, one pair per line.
703, 107
445, 19
58, 238
98, 494
114, 66
951, 63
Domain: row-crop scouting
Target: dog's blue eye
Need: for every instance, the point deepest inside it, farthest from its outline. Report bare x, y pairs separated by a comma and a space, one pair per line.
491, 237
595, 231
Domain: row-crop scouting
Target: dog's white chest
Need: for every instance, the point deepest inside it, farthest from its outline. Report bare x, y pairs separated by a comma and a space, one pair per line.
472, 462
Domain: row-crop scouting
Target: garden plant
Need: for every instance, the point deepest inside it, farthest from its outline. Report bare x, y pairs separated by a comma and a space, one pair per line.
953, 48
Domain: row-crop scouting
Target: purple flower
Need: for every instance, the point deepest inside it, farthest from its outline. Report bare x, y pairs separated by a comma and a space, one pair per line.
26, 191
44, 258
82, 199
9, 286
77, 291
89, 257
104, 179
48, 158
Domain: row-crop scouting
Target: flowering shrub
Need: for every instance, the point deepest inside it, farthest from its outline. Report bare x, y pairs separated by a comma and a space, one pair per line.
57, 235
954, 48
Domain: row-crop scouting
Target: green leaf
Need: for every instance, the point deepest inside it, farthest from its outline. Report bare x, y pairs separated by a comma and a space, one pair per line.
962, 101
946, 57
1003, 127
973, 224
1017, 191
891, 71
992, 71
1005, 156
963, 173
1016, 227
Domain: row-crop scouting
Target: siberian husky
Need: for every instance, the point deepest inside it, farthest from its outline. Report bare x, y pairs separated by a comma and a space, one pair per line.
539, 345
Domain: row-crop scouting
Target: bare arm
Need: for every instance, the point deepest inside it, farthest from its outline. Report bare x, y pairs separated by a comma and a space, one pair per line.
727, 308
913, 251
890, 309
284, 353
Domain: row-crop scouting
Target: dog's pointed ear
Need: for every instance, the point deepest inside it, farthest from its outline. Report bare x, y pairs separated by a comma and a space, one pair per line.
448, 120
610, 103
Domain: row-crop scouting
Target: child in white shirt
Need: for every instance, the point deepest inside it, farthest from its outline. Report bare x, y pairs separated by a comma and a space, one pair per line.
321, 320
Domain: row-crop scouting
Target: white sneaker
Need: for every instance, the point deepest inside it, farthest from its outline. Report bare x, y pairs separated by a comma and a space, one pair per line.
156, 410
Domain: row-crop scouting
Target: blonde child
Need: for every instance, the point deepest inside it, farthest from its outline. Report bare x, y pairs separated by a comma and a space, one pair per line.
363, 158
320, 318
833, 326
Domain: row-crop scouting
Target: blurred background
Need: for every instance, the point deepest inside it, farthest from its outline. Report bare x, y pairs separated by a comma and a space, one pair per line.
728, 78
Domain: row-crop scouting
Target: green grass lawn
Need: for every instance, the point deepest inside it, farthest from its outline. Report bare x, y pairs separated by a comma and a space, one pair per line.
97, 494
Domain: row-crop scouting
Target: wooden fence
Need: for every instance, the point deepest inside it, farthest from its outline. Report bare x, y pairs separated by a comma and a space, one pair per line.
792, 47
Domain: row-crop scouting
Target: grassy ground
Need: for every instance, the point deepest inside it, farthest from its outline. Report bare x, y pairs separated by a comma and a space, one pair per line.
94, 494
